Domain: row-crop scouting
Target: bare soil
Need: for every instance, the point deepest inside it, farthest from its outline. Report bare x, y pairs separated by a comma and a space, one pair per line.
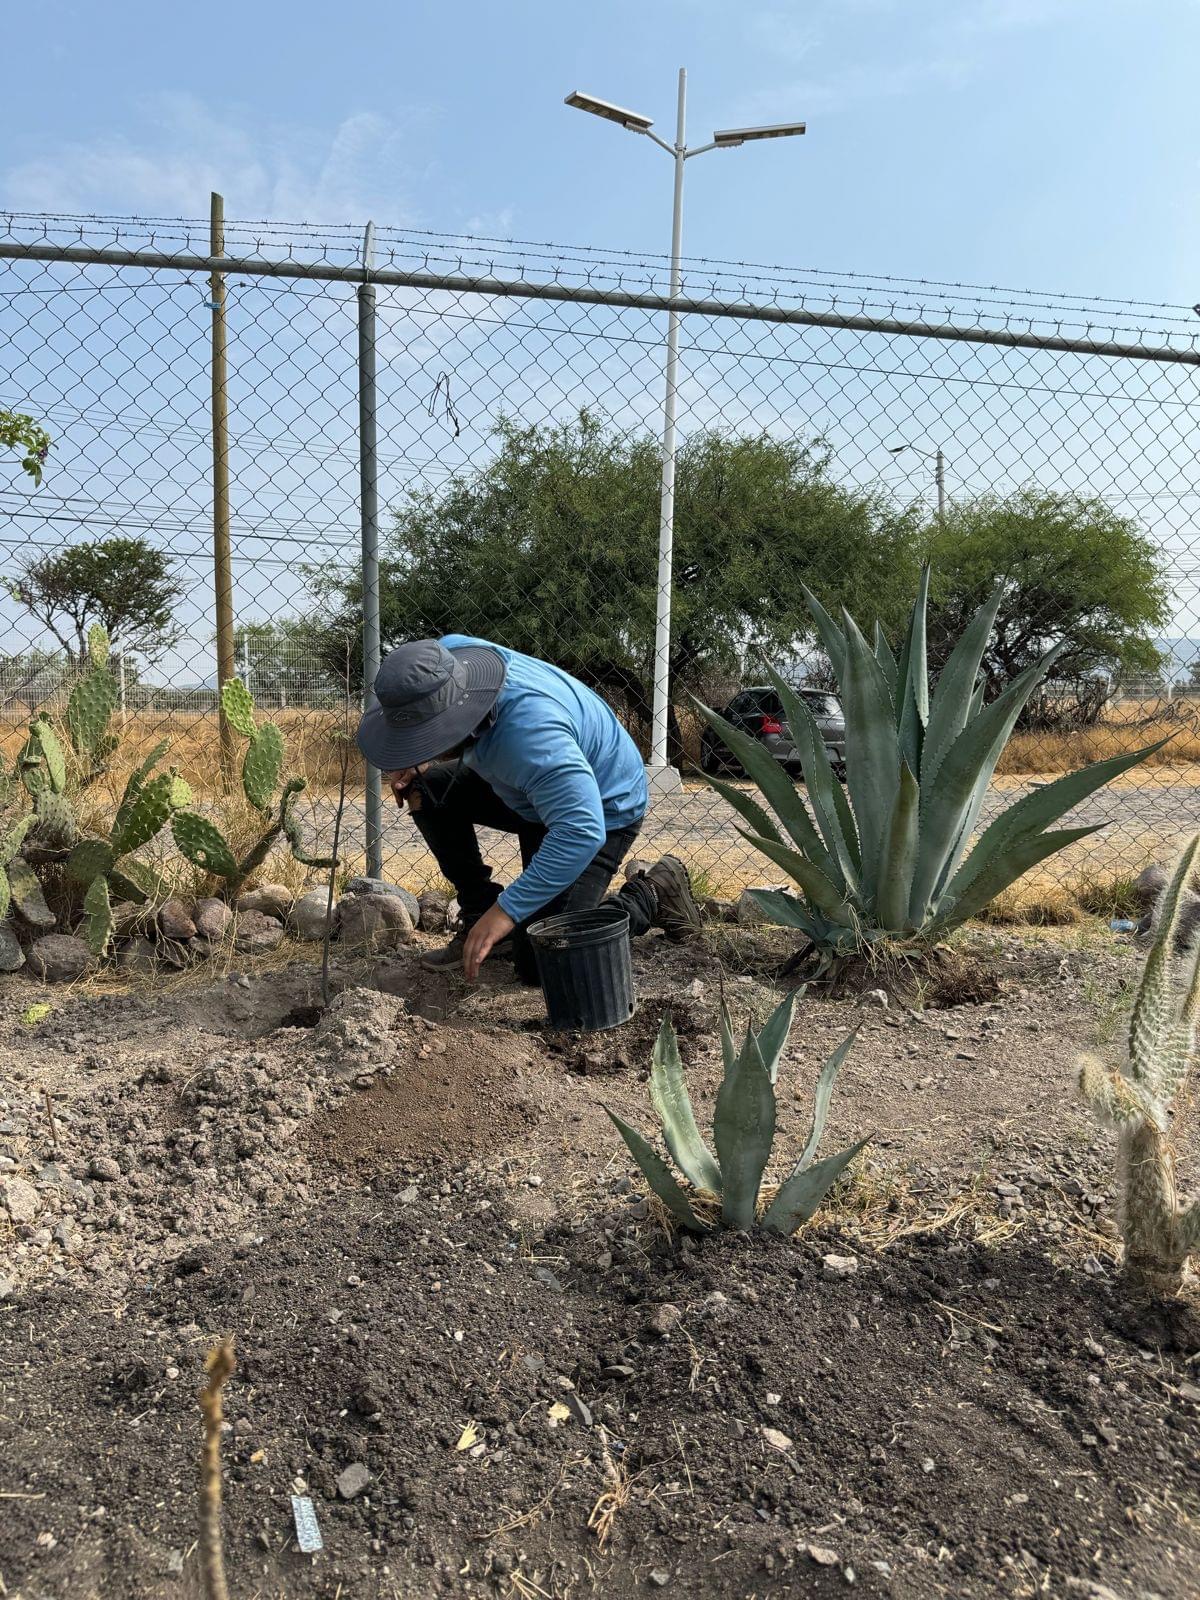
412, 1214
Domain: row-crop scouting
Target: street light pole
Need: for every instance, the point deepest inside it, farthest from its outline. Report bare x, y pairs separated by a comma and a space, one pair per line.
662, 776
938, 458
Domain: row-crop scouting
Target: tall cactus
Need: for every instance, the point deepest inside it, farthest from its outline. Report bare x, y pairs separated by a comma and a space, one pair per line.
1138, 1098
203, 843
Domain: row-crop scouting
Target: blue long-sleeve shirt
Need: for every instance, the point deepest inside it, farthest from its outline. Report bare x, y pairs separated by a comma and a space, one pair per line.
557, 755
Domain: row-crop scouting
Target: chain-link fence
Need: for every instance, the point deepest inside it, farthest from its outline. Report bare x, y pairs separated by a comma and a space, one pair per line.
833, 430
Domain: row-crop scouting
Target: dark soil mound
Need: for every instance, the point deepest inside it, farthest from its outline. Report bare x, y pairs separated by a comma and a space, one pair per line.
600, 1410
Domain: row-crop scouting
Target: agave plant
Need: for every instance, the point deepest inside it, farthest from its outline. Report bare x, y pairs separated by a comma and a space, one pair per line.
890, 857
203, 843
743, 1132
1138, 1098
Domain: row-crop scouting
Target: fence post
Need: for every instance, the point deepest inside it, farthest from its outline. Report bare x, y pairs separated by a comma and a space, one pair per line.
368, 469
222, 572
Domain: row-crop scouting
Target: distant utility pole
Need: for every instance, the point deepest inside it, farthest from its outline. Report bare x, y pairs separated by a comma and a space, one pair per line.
939, 471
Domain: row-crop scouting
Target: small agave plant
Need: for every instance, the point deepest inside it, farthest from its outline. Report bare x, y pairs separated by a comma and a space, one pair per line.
743, 1132
889, 858
1139, 1097
203, 843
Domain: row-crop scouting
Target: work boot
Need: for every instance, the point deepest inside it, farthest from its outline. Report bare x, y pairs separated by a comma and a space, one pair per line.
678, 914
450, 955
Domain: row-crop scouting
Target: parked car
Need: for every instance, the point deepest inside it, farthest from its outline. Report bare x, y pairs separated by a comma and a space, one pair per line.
759, 712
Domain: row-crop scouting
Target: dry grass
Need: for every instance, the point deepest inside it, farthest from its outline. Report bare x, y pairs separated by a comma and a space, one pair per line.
313, 740
1129, 727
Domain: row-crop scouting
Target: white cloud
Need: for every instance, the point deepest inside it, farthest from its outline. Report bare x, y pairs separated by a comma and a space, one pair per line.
190, 149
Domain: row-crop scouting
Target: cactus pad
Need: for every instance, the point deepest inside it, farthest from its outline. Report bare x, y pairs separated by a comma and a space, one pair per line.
27, 895
262, 765
31, 768
238, 705
290, 824
43, 736
97, 911
203, 844
146, 815
98, 646
92, 702
5, 894
15, 837
91, 858
55, 820
179, 794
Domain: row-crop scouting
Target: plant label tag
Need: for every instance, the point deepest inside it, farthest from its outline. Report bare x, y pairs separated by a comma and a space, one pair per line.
308, 1534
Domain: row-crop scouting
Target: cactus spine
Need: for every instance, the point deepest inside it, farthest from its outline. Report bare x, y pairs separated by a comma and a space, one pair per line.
1137, 1099
203, 843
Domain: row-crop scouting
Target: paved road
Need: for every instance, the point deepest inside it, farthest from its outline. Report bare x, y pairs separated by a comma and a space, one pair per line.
698, 825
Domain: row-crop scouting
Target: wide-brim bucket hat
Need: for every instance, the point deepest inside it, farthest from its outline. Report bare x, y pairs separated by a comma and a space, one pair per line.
428, 699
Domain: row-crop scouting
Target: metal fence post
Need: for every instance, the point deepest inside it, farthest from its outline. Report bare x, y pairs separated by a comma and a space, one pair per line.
368, 469
222, 564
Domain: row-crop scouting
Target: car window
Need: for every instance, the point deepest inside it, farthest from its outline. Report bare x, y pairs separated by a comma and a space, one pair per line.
823, 705
740, 703
767, 702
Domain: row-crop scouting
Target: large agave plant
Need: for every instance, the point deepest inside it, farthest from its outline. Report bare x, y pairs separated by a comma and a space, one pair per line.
743, 1132
890, 857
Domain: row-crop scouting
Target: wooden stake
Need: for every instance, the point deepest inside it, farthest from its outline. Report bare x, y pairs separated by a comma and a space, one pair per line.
218, 1364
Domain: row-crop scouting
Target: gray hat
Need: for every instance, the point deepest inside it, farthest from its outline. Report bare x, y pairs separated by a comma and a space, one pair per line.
429, 699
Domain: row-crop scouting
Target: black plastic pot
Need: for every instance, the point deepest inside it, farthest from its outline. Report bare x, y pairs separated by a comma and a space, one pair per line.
584, 965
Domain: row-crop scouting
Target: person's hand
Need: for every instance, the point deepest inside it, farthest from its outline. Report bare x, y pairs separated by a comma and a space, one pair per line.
401, 783
492, 926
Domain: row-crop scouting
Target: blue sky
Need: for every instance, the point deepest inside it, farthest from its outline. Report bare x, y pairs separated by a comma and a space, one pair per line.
1043, 143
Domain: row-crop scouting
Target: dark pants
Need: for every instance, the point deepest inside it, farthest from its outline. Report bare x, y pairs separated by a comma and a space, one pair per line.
455, 801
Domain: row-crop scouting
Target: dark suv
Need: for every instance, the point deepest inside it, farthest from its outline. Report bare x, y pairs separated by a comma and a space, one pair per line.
759, 713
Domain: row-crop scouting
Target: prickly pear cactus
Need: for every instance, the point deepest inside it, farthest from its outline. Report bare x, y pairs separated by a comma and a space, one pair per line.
55, 818
262, 765
204, 845
238, 705
148, 812
98, 917
91, 704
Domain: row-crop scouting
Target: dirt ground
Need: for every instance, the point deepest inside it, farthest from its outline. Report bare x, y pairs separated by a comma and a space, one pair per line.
414, 1216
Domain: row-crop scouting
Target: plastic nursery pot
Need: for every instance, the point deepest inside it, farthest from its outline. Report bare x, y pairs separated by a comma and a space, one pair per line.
583, 962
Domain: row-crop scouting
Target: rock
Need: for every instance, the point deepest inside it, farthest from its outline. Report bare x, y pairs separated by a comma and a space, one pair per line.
20, 1199
307, 918
354, 1479
369, 886
104, 1168
12, 957
777, 1440
836, 1266
139, 957
211, 917
59, 958
659, 1577
822, 1555
748, 912
1149, 884
6, 1288
578, 1408
174, 922
718, 910
664, 1319
433, 911
875, 997
256, 933
374, 922
28, 901
272, 899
